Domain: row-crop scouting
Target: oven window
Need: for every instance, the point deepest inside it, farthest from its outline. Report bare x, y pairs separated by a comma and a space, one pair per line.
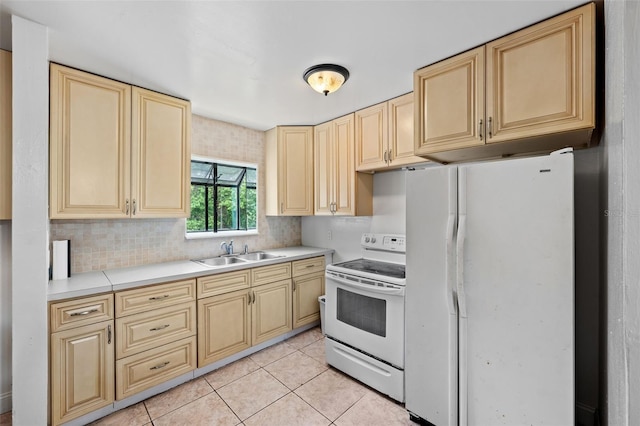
366, 313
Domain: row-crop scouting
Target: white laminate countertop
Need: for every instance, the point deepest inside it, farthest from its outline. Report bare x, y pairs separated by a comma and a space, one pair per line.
95, 282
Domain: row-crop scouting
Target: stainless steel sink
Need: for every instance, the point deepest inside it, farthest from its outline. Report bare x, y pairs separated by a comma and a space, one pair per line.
258, 255
220, 261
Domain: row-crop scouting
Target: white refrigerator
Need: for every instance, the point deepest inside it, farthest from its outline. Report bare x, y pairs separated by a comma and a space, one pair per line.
490, 293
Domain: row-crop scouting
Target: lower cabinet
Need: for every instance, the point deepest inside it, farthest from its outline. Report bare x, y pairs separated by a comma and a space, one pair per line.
82, 358
308, 285
112, 346
258, 310
224, 326
155, 335
270, 311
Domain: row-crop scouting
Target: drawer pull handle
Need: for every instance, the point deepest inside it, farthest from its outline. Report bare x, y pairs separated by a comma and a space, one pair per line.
160, 327
166, 296
310, 266
83, 313
159, 366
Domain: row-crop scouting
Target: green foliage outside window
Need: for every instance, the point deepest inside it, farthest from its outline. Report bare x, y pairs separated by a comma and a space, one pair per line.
227, 202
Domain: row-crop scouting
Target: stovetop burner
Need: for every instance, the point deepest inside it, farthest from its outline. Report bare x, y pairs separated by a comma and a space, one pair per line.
387, 269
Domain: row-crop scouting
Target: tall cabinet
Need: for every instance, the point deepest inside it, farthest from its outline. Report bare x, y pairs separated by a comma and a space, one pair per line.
339, 190
116, 151
5, 134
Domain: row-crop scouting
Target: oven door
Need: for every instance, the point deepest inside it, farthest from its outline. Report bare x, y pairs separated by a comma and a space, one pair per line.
366, 315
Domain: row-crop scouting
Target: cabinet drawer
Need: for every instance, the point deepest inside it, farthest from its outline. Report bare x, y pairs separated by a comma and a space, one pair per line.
157, 296
307, 266
78, 312
147, 369
223, 283
268, 274
147, 330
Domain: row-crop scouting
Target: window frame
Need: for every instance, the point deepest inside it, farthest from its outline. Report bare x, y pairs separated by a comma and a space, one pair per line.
215, 232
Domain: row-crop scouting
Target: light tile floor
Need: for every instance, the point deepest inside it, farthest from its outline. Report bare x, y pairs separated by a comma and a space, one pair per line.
286, 384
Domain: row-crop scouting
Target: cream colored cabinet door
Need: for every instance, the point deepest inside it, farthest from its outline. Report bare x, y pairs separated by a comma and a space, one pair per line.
270, 310
449, 104
339, 190
401, 133
224, 323
289, 175
540, 80
371, 137
5, 134
89, 145
323, 168
306, 290
82, 371
160, 154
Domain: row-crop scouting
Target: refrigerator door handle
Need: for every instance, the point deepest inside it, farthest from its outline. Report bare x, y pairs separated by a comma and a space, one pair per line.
462, 230
451, 273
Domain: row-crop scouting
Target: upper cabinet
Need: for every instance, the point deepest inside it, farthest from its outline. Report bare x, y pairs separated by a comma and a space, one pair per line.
289, 171
339, 190
5, 134
109, 160
534, 89
384, 135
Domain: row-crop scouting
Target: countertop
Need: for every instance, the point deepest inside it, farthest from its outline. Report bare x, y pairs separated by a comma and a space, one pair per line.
96, 282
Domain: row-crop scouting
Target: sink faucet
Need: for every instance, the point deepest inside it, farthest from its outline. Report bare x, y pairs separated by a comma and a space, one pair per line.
228, 248
246, 249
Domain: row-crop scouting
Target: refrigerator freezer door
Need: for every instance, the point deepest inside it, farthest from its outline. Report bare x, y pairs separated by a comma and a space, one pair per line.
431, 312
519, 286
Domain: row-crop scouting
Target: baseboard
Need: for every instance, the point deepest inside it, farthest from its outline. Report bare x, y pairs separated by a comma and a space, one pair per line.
5, 402
585, 415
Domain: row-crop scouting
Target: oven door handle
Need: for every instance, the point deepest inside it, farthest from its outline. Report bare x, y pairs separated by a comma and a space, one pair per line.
370, 288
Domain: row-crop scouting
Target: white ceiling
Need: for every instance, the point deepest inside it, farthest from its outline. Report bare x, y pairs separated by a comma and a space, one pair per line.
242, 61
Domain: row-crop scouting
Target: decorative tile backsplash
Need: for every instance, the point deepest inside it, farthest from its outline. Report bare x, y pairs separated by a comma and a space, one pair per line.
116, 243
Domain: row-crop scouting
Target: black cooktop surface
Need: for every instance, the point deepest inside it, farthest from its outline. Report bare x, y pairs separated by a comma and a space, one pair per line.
386, 269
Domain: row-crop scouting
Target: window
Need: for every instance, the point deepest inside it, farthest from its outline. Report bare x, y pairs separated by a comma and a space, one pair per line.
223, 197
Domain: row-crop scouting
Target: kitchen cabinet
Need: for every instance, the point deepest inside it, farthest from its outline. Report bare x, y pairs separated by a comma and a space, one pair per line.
308, 285
5, 134
116, 151
530, 91
270, 310
289, 171
155, 335
384, 135
82, 356
339, 190
242, 309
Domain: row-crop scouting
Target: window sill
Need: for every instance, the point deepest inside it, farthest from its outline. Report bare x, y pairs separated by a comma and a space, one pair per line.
220, 234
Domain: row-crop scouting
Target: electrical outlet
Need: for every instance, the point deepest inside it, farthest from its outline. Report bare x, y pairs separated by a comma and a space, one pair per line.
329, 235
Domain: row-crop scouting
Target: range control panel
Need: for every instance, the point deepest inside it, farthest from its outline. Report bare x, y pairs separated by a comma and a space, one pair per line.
384, 242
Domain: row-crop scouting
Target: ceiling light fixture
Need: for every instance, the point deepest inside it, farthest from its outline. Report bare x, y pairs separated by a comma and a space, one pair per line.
326, 78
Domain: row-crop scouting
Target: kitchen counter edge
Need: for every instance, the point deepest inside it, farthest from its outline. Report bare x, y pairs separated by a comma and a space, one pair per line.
97, 282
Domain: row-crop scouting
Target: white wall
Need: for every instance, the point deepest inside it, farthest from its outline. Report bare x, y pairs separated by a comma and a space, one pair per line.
5, 316
621, 225
30, 222
389, 211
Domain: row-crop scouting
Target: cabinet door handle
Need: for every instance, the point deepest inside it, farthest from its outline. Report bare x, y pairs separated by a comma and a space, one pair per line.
254, 297
294, 285
159, 366
160, 327
490, 128
281, 208
134, 207
165, 296
385, 157
83, 313
126, 207
109, 334
249, 299
480, 129
390, 152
